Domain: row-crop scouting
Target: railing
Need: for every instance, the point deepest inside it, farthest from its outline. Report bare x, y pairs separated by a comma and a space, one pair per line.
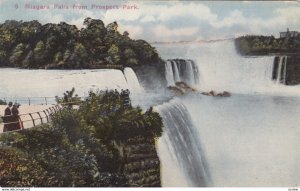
29, 120
31, 100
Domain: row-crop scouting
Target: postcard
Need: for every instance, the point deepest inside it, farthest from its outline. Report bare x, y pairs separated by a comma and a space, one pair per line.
115, 93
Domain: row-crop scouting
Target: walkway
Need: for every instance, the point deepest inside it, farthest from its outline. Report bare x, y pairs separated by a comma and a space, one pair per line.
33, 115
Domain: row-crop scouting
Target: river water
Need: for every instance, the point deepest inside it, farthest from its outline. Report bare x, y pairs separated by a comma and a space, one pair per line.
248, 139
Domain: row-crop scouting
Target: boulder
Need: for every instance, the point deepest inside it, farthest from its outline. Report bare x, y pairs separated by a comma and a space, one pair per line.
176, 90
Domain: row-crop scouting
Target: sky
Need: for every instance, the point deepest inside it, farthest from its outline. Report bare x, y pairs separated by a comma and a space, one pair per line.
165, 21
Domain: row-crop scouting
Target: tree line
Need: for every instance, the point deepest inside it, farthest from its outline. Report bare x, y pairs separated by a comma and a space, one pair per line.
261, 45
64, 46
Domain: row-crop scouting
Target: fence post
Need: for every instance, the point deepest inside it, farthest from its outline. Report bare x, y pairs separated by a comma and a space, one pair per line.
40, 117
48, 111
32, 119
50, 108
46, 115
54, 109
46, 101
29, 101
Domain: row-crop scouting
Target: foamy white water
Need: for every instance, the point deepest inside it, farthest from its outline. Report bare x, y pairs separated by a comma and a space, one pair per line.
249, 139
176, 72
41, 83
221, 68
132, 81
169, 74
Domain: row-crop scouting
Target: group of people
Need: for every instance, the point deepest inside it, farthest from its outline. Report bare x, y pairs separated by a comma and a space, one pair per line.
11, 118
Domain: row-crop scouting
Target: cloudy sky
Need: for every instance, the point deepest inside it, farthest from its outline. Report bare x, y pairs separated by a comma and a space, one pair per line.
166, 20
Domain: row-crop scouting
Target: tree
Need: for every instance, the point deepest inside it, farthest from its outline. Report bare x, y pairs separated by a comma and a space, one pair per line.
80, 56
31, 44
66, 59
29, 59
58, 57
126, 34
39, 53
3, 55
114, 54
112, 27
16, 57
130, 57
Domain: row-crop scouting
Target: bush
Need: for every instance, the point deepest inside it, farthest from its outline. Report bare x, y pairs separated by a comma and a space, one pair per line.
78, 147
2, 102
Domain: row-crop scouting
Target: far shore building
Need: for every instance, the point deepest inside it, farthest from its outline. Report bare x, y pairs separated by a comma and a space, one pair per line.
289, 34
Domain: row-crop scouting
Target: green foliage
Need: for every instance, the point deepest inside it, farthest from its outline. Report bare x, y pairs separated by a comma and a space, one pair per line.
63, 46
39, 52
78, 147
18, 169
261, 45
114, 54
3, 102
69, 98
17, 54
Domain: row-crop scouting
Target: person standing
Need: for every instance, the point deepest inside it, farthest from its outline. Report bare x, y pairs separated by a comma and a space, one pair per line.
15, 117
7, 117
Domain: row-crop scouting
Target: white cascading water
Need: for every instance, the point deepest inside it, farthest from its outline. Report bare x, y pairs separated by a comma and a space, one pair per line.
222, 69
190, 73
281, 61
181, 137
281, 70
15, 83
169, 74
181, 70
176, 72
248, 139
284, 70
132, 81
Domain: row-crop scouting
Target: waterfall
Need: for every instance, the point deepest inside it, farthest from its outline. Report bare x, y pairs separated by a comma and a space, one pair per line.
190, 73
219, 67
284, 70
132, 81
180, 70
235, 141
169, 73
279, 71
223, 69
184, 143
52, 83
176, 72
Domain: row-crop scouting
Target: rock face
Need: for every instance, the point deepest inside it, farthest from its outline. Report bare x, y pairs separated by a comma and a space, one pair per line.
215, 94
293, 70
151, 76
141, 162
181, 88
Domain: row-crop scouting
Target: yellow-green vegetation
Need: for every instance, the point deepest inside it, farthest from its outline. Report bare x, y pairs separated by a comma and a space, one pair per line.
84, 147
261, 45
